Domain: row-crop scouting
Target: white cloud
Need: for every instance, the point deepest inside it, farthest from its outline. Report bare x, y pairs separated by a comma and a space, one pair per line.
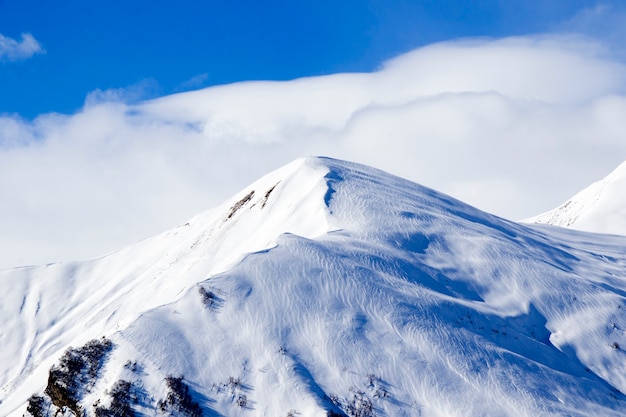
193, 83
604, 20
139, 91
14, 50
513, 126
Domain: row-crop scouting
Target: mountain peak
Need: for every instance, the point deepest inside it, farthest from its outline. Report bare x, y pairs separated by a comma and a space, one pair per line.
325, 288
599, 208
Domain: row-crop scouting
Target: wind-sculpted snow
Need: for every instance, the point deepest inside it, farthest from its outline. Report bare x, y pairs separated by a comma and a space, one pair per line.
330, 288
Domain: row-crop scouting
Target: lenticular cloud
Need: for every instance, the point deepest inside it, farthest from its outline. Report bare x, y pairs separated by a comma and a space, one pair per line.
513, 126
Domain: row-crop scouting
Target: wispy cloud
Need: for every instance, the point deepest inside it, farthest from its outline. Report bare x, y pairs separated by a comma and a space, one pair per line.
604, 20
143, 90
194, 82
15, 50
514, 126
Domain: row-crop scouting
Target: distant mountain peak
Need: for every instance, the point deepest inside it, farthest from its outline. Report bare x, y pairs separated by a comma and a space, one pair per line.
599, 208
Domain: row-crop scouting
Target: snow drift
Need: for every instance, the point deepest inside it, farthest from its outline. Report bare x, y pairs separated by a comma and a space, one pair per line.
326, 288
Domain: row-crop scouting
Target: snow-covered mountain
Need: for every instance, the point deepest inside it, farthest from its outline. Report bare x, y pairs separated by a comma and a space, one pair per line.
325, 288
599, 208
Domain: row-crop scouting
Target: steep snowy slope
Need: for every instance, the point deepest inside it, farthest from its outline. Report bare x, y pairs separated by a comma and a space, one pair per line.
361, 294
44, 309
599, 208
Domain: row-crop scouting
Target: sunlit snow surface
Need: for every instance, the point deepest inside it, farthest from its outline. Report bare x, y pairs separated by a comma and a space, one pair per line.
331, 281
599, 208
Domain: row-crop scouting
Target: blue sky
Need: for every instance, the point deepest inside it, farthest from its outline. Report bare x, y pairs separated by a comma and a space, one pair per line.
155, 47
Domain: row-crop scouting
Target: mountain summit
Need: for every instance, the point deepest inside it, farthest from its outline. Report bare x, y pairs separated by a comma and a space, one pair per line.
599, 208
326, 288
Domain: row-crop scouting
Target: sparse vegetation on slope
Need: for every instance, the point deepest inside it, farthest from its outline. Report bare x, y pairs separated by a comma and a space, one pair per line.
68, 381
76, 373
121, 400
178, 401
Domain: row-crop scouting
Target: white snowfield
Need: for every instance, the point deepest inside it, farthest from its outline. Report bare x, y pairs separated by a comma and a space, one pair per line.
331, 288
599, 208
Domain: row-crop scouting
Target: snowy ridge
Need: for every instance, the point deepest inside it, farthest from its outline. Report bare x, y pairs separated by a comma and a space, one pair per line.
58, 305
335, 289
599, 208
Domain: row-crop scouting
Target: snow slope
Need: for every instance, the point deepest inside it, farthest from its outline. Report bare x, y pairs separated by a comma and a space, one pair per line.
331, 286
599, 208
